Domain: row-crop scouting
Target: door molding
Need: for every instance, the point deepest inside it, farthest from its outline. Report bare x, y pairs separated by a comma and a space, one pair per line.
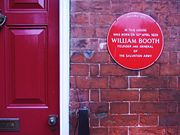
64, 12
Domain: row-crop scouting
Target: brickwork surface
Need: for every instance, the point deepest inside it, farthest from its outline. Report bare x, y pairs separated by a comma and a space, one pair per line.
121, 101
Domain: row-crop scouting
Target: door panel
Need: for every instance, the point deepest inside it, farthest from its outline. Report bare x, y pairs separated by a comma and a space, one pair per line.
26, 4
21, 19
26, 61
29, 65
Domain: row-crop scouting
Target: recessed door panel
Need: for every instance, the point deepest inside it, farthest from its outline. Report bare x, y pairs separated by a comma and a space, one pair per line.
26, 4
26, 51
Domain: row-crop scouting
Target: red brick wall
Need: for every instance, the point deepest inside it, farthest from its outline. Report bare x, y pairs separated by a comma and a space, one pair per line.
121, 101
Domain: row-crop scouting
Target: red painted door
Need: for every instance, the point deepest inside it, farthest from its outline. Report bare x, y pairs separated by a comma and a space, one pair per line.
29, 67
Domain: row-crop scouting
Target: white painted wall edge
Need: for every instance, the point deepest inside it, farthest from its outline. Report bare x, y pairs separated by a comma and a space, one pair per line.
64, 65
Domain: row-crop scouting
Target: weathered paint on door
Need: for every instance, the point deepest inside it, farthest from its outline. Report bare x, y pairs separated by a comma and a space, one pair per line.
29, 68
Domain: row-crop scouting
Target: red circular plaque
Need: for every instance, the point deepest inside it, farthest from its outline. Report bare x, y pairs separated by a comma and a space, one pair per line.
135, 41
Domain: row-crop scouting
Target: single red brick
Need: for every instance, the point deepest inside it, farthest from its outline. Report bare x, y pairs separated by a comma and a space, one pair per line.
114, 69
79, 95
101, 57
79, 69
148, 120
79, 19
171, 45
82, 82
169, 120
118, 131
173, 20
119, 95
148, 82
173, 32
170, 69
77, 58
101, 19
172, 107
94, 70
94, 95
118, 82
118, 7
99, 6
173, 58
99, 131
98, 82
120, 120
80, 6
91, 82
151, 71
147, 131
137, 5
119, 108
149, 95
169, 95
151, 5
149, 107
173, 82
99, 107
82, 32
101, 32
164, 58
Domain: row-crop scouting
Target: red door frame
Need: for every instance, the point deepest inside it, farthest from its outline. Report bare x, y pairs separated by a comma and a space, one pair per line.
64, 63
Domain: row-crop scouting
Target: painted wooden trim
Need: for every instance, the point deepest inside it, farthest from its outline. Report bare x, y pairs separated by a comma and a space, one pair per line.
64, 65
